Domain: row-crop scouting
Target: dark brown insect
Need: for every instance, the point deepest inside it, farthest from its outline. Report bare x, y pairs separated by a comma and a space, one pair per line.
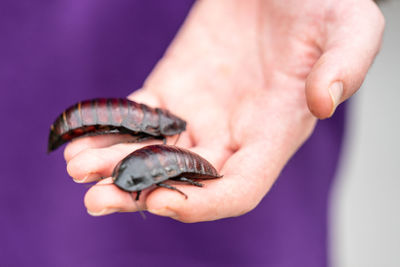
114, 115
154, 164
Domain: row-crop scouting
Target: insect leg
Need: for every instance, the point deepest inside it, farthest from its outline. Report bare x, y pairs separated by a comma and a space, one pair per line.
171, 187
190, 181
137, 195
137, 206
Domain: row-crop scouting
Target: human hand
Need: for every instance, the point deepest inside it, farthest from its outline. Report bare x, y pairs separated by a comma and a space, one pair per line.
249, 77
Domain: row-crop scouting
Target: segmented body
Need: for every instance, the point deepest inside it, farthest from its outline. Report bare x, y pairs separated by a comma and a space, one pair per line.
152, 165
114, 115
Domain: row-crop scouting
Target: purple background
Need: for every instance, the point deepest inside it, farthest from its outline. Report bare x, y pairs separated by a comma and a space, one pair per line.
55, 53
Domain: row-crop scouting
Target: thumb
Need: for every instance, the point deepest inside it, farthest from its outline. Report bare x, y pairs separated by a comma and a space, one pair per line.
353, 39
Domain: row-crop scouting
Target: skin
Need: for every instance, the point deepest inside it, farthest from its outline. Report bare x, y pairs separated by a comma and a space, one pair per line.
251, 78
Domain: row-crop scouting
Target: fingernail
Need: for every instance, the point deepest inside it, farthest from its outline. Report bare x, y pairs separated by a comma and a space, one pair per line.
102, 212
335, 91
164, 212
89, 177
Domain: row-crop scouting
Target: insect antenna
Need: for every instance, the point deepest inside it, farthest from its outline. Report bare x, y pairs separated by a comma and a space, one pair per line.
94, 183
137, 206
177, 139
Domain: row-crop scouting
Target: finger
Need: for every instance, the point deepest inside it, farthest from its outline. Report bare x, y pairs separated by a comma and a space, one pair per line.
103, 141
93, 163
106, 198
78, 145
353, 40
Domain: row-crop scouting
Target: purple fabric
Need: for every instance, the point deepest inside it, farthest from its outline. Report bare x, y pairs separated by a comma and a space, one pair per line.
55, 53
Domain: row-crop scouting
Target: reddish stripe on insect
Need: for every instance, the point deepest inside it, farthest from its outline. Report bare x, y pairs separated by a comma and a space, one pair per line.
113, 115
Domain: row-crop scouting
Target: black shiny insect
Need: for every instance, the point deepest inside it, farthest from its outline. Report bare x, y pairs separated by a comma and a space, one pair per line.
113, 115
154, 164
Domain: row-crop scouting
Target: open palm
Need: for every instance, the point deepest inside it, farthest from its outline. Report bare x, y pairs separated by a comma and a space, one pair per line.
250, 78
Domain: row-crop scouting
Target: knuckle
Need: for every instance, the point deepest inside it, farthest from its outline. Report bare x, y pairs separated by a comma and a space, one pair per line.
377, 15
71, 171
